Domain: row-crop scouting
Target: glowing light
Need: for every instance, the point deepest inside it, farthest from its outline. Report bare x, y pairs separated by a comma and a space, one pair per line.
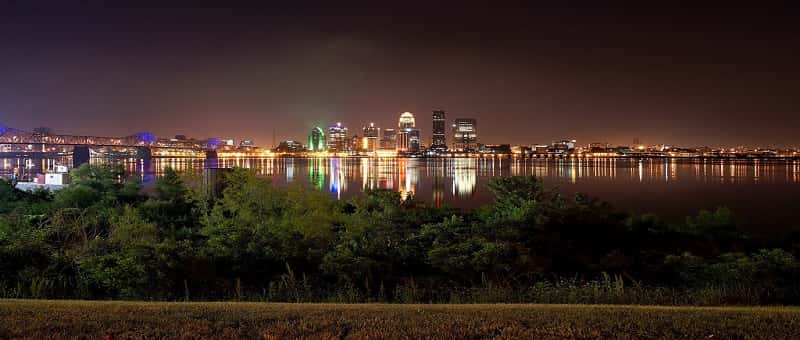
145, 137
386, 153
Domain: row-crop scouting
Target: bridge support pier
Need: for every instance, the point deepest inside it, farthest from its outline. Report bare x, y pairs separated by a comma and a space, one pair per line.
80, 155
144, 153
212, 160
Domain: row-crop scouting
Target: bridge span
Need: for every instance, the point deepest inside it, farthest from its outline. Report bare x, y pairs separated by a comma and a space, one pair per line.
143, 145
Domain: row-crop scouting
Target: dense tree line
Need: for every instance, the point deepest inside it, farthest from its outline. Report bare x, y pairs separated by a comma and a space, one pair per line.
103, 237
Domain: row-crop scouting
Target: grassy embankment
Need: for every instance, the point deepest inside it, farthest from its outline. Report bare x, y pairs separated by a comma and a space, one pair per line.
120, 320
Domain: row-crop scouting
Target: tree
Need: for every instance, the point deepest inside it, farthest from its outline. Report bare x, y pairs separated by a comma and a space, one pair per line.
125, 264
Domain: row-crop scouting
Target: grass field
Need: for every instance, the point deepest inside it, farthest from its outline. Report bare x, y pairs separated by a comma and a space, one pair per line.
143, 320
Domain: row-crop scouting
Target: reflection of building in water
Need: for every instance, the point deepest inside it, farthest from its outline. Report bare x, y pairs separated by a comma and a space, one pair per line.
367, 178
316, 172
465, 177
438, 191
289, 170
336, 177
387, 167
408, 177
640, 171
796, 172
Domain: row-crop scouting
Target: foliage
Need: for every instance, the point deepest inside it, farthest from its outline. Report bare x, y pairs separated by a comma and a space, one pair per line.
103, 237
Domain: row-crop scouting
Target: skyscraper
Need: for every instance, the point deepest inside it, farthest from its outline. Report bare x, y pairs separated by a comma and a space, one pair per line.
388, 139
407, 133
439, 137
337, 138
370, 140
465, 134
413, 139
316, 140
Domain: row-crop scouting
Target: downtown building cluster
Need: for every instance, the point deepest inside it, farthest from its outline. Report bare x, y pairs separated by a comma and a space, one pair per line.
403, 139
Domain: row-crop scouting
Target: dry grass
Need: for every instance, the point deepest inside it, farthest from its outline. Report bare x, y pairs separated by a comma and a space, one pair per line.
141, 320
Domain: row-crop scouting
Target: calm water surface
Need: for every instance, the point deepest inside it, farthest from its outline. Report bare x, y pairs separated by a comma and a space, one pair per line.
763, 193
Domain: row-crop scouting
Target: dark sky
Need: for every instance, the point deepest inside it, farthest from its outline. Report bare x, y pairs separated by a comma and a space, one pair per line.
689, 76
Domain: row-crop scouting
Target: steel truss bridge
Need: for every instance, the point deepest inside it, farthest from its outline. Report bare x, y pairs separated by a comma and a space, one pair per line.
142, 139
17, 142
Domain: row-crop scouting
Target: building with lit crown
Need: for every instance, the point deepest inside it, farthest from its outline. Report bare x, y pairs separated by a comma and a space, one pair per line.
406, 120
407, 133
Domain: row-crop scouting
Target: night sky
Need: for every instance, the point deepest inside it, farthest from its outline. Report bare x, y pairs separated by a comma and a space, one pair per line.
687, 76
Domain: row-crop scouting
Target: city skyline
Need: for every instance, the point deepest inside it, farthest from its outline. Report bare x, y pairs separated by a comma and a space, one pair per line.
687, 76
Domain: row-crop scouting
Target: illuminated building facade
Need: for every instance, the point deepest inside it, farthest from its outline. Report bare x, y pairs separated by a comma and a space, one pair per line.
355, 143
407, 133
413, 140
562, 146
316, 140
370, 140
389, 139
289, 146
497, 149
465, 134
406, 121
337, 138
439, 137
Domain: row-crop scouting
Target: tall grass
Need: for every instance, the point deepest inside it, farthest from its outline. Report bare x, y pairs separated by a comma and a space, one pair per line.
607, 290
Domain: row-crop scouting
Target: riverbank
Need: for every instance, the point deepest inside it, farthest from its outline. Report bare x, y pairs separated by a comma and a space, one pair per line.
98, 320
31, 186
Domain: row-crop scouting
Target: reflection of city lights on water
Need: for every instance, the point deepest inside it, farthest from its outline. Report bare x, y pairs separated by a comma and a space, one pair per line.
334, 176
465, 177
641, 173
796, 172
407, 175
289, 170
450, 180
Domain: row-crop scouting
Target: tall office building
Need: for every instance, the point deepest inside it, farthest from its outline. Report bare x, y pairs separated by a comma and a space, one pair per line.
316, 140
439, 137
465, 134
337, 138
354, 143
388, 139
413, 139
370, 140
407, 133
